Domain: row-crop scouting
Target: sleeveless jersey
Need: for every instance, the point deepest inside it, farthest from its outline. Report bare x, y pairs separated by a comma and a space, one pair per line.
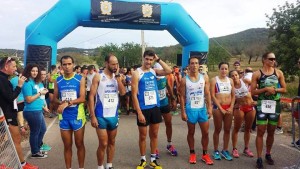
107, 98
222, 87
162, 91
128, 80
242, 91
195, 93
270, 103
148, 92
69, 89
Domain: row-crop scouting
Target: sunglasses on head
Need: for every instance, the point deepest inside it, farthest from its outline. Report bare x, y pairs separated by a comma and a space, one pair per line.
272, 59
7, 60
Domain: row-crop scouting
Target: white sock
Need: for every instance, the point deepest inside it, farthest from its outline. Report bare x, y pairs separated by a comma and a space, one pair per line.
101, 167
169, 143
108, 165
143, 158
153, 157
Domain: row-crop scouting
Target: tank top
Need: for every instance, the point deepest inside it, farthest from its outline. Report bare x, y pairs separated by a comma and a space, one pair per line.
128, 80
53, 77
147, 94
162, 91
242, 91
222, 87
89, 80
271, 103
195, 93
107, 98
69, 89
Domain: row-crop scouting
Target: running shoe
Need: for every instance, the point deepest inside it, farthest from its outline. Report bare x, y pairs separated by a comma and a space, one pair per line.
235, 153
142, 165
29, 166
39, 155
154, 165
248, 152
45, 147
297, 143
2, 166
216, 155
157, 154
225, 154
278, 131
193, 158
171, 149
206, 158
259, 163
269, 159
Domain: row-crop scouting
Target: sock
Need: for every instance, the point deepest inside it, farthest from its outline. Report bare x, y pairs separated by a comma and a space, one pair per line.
204, 152
108, 165
169, 143
153, 157
23, 163
143, 158
192, 151
101, 167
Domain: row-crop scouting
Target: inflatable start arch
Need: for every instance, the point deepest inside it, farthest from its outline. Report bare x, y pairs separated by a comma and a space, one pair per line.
43, 34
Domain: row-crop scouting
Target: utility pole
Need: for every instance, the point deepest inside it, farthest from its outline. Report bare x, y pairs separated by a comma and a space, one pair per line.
142, 43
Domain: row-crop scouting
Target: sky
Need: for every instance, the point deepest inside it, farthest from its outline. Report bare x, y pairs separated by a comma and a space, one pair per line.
216, 17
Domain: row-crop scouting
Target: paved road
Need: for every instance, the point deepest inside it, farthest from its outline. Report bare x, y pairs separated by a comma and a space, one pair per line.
127, 152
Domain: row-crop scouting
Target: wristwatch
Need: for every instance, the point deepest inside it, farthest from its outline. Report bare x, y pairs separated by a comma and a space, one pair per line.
117, 75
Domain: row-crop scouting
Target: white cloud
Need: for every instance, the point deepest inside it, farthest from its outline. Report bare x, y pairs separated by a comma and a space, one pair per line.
216, 17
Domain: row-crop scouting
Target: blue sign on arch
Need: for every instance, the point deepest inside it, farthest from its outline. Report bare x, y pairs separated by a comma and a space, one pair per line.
43, 34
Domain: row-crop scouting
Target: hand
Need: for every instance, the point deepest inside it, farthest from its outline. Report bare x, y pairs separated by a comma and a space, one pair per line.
183, 116
209, 111
62, 107
141, 118
94, 121
21, 80
270, 90
254, 103
230, 110
223, 111
44, 91
46, 109
156, 57
23, 130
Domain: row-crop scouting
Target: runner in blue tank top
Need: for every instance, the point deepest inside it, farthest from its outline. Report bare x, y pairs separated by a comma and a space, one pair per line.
69, 93
194, 92
146, 102
163, 89
104, 111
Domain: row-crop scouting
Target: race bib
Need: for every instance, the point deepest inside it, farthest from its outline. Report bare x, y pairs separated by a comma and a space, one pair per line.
150, 98
162, 94
68, 96
268, 106
196, 102
111, 100
42, 96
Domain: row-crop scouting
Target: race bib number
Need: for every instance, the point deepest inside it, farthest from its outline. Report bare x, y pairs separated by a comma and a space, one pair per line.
150, 98
110, 100
268, 106
68, 96
162, 94
196, 102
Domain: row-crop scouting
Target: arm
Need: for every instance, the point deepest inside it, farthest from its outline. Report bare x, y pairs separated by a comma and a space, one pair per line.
135, 101
207, 95
28, 95
81, 98
55, 94
121, 86
10, 95
232, 96
282, 82
182, 97
93, 91
166, 69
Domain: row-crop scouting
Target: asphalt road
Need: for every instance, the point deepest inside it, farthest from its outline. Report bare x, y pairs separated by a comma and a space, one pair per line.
127, 151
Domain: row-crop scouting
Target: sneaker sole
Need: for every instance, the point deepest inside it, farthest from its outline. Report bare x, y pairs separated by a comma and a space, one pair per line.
248, 155
192, 162
207, 163
173, 154
225, 157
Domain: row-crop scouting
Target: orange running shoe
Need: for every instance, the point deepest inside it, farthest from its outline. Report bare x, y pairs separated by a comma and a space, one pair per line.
206, 158
29, 166
193, 158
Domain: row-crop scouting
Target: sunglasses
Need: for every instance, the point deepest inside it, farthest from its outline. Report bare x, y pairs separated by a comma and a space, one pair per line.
271, 59
7, 60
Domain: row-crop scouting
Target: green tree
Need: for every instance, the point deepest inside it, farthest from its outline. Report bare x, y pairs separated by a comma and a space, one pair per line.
104, 51
216, 55
131, 54
284, 26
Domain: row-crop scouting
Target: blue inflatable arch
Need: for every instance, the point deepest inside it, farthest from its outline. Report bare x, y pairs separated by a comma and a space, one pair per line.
43, 34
